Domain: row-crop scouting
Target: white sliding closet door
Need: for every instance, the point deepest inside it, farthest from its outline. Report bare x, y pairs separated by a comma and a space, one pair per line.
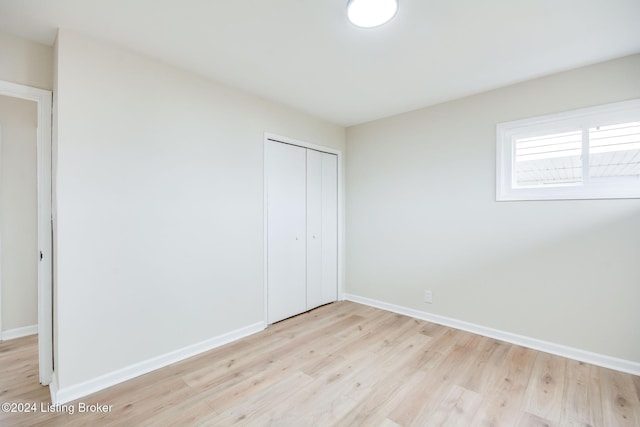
314, 229
329, 228
322, 228
286, 230
302, 229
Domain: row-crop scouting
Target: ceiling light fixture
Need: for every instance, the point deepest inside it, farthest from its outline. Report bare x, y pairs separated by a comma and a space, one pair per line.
371, 13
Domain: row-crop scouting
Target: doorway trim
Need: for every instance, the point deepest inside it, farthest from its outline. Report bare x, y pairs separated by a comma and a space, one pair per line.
291, 141
43, 100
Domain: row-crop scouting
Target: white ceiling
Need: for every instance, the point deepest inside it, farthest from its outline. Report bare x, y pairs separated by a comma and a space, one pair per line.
304, 53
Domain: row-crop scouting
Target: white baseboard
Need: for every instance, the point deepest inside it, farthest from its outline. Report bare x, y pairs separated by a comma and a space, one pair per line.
18, 332
63, 395
605, 361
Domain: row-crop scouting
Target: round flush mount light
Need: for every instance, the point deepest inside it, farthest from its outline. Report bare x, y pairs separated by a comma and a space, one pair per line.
371, 13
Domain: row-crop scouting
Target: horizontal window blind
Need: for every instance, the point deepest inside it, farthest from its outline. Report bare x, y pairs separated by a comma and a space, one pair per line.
614, 151
588, 153
549, 159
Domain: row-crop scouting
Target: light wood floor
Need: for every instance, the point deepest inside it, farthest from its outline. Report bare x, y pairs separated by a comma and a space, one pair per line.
347, 365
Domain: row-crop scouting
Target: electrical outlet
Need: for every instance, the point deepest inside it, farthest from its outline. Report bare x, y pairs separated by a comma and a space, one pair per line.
428, 296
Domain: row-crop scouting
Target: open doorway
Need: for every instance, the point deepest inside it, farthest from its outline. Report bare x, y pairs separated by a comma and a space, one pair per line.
22, 99
18, 218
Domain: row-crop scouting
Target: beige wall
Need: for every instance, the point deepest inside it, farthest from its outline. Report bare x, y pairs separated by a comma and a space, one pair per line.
159, 206
421, 214
25, 62
18, 213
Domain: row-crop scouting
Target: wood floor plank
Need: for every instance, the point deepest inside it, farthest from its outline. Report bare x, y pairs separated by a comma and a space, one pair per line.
345, 364
507, 387
394, 380
440, 382
636, 383
457, 408
582, 395
527, 419
376, 406
619, 399
332, 394
546, 387
247, 411
489, 355
428, 394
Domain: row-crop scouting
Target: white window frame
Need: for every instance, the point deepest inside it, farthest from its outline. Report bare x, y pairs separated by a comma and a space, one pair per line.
584, 119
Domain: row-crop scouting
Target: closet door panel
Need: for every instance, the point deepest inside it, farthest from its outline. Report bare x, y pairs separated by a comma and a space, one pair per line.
329, 228
314, 229
286, 230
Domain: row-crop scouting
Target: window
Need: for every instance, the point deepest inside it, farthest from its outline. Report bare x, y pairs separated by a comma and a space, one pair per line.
591, 153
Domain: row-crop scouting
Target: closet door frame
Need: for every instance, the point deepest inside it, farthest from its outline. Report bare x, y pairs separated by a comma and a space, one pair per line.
286, 140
